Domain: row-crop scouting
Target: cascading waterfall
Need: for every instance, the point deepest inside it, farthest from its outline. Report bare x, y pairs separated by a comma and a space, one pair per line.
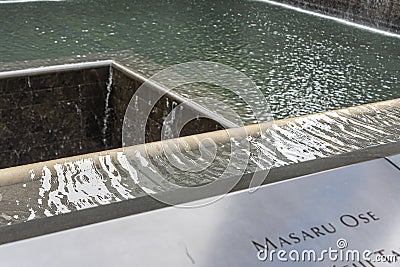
107, 109
86, 183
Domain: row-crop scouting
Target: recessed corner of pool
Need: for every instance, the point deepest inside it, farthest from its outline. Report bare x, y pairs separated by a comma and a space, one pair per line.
67, 110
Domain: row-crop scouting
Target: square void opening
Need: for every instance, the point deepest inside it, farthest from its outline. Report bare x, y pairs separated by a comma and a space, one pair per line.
48, 114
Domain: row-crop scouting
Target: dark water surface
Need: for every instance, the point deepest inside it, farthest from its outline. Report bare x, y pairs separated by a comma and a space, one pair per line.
303, 64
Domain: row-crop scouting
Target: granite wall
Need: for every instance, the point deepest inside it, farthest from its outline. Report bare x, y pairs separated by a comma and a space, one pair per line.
124, 87
50, 116
383, 14
55, 115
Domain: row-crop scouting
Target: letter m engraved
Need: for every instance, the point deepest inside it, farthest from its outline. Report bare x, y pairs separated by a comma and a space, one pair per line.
264, 247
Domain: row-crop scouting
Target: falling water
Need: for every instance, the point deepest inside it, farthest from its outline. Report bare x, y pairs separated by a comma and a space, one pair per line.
168, 123
107, 109
86, 183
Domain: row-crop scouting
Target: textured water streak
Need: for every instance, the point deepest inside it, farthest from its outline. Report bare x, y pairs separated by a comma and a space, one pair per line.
302, 139
104, 179
107, 109
71, 186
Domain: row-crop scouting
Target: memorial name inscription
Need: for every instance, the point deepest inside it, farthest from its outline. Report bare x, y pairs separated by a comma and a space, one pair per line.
346, 220
277, 249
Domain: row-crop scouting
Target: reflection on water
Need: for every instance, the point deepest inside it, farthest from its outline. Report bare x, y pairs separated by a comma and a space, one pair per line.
105, 179
303, 64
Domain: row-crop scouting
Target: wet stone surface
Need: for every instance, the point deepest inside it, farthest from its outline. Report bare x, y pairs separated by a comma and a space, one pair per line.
63, 114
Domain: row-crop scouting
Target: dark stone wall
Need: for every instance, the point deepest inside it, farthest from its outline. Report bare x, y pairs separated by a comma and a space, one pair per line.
50, 116
124, 87
383, 14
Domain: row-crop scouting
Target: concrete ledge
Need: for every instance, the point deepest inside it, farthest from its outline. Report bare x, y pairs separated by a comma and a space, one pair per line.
21, 174
56, 68
62, 222
378, 14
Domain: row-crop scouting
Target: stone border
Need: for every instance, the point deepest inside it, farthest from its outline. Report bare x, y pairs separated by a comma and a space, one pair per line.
55, 68
383, 15
20, 174
143, 204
